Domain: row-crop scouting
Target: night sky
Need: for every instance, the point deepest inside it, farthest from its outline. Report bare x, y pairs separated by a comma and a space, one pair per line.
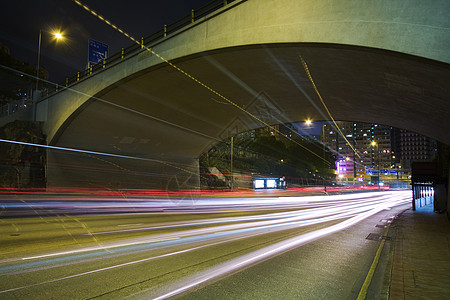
21, 21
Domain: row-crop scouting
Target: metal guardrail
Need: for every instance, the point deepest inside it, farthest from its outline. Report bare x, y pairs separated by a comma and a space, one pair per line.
147, 41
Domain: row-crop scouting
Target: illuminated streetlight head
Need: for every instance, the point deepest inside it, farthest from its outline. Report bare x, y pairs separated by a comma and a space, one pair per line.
308, 122
374, 143
58, 35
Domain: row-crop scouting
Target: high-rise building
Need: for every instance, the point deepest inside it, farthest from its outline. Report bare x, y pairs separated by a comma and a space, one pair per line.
415, 147
368, 148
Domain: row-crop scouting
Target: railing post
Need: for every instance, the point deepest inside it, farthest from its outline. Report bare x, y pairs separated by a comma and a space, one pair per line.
56, 87
122, 53
67, 82
90, 70
192, 16
78, 76
104, 63
142, 42
165, 30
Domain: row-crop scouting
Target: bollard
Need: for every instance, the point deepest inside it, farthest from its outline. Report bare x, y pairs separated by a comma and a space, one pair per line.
104, 63
165, 30
192, 16
122, 53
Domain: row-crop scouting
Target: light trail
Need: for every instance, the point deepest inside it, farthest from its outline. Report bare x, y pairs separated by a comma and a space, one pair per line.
254, 222
270, 251
353, 209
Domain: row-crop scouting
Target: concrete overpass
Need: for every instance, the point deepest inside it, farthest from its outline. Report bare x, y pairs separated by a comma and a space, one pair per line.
385, 62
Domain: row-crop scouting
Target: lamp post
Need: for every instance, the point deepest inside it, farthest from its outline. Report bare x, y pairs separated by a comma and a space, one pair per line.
38, 60
231, 163
322, 133
57, 36
378, 162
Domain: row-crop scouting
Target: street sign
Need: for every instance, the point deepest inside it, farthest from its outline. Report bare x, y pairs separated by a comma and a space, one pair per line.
97, 51
370, 171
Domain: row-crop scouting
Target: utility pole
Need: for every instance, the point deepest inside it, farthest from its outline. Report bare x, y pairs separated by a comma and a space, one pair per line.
324, 163
231, 162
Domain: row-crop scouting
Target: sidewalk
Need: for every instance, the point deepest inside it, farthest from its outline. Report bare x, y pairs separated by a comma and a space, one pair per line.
421, 264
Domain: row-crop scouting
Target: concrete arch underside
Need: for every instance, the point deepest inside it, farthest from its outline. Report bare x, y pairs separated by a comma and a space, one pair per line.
164, 117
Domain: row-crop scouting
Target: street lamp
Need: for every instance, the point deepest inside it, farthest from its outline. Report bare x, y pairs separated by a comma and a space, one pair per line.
378, 162
57, 36
308, 122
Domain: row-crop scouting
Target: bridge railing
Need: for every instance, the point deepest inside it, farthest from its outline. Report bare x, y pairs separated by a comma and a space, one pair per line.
195, 15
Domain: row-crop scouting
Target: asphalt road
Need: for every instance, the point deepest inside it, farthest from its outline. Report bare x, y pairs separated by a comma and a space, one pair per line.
234, 248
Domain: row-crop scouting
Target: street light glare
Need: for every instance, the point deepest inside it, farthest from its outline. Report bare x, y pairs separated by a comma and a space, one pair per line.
308, 122
58, 35
374, 143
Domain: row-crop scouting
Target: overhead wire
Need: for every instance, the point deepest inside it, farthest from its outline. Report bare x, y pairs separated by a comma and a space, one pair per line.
305, 66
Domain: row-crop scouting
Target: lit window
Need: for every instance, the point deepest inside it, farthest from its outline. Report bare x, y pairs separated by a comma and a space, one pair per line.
271, 183
258, 184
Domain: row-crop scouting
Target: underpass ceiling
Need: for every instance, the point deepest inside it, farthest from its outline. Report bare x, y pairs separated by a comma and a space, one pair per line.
180, 118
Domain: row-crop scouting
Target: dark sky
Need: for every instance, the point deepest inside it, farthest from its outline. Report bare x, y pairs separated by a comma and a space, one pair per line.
21, 20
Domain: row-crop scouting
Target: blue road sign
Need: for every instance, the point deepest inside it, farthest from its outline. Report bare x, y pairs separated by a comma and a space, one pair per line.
370, 171
97, 51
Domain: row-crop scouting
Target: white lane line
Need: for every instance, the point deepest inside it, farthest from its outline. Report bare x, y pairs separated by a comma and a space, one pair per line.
125, 225
96, 248
115, 266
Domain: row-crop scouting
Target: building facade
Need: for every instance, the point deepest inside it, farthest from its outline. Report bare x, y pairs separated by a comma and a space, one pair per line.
364, 151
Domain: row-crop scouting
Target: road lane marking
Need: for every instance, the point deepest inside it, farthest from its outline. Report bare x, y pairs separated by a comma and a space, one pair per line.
116, 266
363, 292
95, 248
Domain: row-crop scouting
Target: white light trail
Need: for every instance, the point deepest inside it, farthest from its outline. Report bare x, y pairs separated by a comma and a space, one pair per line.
280, 218
353, 208
270, 251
